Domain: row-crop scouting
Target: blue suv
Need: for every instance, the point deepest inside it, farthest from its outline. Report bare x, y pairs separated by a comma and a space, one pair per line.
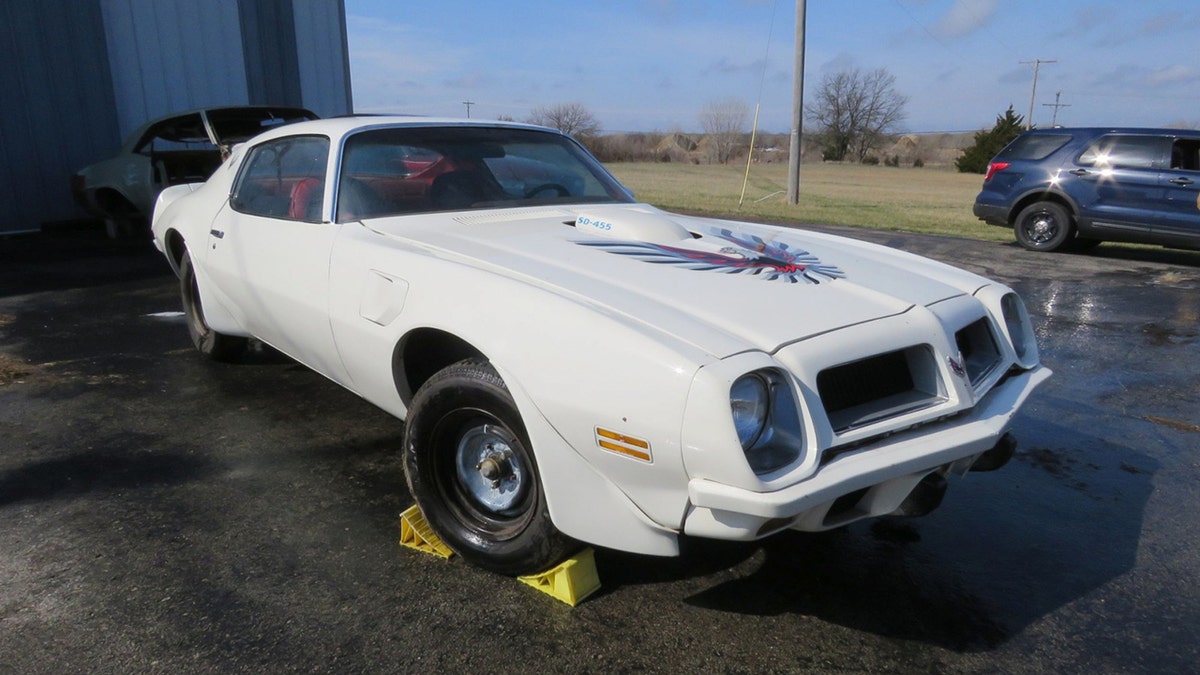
1074, 188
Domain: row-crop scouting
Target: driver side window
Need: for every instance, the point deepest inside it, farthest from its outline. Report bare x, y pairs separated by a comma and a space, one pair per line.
284, 179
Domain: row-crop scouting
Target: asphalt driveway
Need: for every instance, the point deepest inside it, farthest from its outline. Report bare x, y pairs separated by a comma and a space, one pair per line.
160, 513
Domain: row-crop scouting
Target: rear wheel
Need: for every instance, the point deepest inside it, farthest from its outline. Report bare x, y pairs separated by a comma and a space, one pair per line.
469, 465
1044, 226
216, 346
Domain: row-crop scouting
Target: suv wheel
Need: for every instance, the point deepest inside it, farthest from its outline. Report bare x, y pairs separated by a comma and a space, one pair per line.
1044, 226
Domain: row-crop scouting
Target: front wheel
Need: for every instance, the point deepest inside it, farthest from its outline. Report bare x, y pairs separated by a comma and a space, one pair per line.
468, 463
216, 346
1044, 226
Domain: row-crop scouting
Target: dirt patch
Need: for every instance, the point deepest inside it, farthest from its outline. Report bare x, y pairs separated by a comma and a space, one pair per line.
13, 369
1176, 279
1177, 425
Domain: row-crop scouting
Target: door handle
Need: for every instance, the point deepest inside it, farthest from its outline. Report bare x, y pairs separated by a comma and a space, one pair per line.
1181, 181
1078, 172
217, 233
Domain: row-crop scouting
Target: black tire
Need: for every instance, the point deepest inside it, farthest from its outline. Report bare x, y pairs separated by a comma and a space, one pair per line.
1044, 226
214, 345
470, 466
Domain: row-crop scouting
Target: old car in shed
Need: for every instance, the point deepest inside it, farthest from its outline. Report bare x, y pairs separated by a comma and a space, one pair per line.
177, 149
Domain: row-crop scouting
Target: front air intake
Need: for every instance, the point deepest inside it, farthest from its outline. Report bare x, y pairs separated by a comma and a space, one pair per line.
881, 387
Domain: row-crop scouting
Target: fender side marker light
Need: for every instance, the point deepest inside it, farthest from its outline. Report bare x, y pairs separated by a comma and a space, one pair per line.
624, 445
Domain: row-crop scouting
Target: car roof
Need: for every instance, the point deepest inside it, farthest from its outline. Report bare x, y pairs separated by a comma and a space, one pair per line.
337, 127
1096, 131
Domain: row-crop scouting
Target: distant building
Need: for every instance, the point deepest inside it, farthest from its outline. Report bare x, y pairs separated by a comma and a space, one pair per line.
80, 75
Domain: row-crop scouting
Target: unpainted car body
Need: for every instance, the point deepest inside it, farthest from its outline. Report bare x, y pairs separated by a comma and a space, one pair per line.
177, 149
574, 366
1063, 188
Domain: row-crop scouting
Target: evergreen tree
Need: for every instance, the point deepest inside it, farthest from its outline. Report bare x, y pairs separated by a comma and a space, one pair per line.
987, 143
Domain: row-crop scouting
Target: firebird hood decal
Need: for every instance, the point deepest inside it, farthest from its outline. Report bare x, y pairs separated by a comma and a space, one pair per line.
748, 254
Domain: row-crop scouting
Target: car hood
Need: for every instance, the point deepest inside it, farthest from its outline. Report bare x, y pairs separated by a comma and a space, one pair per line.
722, 286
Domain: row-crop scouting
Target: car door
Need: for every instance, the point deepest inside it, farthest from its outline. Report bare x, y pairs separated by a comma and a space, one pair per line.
1181, 184
1117, 182
269, 249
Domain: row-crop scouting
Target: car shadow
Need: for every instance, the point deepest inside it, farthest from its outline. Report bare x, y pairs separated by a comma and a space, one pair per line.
1005, 550
79, 256
1131, 253
105, 467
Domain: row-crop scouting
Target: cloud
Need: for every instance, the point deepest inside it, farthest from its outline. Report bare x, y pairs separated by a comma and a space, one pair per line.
1176, 74
965, 17
1017, 75
1132, 79
724, 66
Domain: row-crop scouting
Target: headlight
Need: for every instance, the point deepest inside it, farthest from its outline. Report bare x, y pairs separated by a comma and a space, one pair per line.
748, 398
766, 419
1016, 319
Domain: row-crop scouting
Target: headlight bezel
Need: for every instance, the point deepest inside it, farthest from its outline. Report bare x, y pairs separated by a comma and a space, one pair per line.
749, 402
1012, 322
778, 440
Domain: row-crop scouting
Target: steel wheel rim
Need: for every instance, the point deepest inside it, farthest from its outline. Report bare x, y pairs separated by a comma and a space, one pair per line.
490, 469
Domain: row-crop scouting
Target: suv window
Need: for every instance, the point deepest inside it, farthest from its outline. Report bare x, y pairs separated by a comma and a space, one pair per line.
1034, 146
284, 179
1185, 154
1126, 152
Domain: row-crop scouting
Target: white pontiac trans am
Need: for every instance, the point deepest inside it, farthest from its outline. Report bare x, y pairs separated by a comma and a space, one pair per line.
574, 366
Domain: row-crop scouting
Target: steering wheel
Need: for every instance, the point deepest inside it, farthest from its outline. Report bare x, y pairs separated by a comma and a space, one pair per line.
559, 190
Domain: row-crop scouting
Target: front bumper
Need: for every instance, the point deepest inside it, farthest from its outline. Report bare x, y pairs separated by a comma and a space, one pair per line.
875, 479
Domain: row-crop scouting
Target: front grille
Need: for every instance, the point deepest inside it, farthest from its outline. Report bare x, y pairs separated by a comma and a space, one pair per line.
979, 351
879, 387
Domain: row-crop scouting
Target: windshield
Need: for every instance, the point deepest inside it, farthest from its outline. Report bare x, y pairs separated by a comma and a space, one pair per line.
395, 171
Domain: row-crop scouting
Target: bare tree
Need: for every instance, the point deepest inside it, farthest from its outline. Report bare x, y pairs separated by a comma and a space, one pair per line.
569, 118
724, 121
854, 110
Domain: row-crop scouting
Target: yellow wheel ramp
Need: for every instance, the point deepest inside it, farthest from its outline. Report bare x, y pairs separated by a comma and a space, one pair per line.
570, 581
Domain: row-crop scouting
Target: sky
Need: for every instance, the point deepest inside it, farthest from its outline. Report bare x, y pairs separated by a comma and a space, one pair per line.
652, 65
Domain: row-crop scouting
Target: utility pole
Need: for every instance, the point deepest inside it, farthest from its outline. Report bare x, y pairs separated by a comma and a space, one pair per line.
1037, 65
468, 104
1056, 105
797, 108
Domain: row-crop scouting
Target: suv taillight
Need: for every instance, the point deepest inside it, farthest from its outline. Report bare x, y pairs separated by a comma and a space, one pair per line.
995, 167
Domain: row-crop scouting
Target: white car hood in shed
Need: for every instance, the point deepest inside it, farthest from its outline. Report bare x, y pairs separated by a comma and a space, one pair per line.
721, 286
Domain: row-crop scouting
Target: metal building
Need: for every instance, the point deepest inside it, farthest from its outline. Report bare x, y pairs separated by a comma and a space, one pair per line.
80, 75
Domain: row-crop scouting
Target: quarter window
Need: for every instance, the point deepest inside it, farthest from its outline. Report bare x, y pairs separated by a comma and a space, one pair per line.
1034, 146
284, 179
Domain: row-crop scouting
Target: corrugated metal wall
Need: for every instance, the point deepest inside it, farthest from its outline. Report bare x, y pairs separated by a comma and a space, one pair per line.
82, 74
58, 111
324, 82
172, 55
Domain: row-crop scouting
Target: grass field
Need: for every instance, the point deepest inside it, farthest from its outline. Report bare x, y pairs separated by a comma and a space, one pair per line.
934, 201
